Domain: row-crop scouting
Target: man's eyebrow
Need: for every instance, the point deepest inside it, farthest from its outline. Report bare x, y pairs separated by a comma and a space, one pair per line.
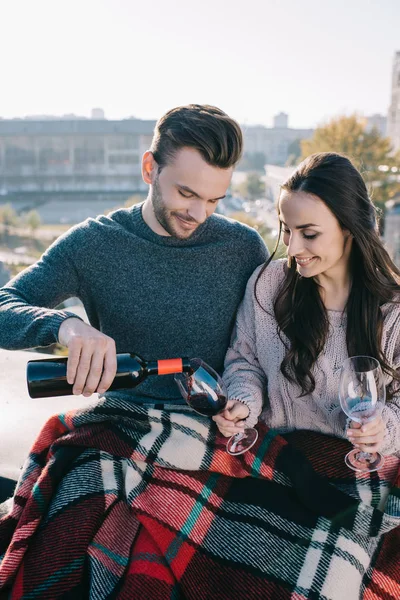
187, 189
302, 226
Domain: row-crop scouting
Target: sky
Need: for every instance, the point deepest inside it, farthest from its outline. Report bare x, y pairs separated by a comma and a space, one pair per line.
314, 59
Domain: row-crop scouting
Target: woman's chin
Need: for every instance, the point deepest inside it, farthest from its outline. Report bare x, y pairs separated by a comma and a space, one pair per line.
308, 270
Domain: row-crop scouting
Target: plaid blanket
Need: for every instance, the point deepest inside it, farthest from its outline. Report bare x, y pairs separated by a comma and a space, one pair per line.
121, 502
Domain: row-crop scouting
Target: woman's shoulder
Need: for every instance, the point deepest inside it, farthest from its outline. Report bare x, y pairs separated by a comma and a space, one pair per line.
268, 279
273, 274
391, 314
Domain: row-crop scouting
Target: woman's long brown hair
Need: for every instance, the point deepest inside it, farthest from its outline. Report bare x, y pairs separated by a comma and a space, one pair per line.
298, 307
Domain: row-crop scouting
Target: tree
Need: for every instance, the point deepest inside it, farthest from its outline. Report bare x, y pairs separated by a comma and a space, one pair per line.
266, 233
253, 161
294, 152
368, 150
252, 187
8, 218
32, 220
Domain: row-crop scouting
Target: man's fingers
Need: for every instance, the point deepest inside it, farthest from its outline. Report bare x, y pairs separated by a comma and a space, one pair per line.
83, 369
109, 369
74, 355
96, 370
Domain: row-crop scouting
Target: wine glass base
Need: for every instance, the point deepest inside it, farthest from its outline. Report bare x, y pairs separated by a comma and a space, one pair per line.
363, 461
241, 442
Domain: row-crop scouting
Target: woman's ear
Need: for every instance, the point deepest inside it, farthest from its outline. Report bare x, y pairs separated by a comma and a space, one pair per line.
347, 234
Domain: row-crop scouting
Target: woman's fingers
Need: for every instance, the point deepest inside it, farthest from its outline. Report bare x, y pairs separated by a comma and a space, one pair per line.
369, 447
228, 428
372, 428
231, 419
369, 437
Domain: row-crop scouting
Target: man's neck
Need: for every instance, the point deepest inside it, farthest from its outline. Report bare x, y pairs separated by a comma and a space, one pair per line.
150, 219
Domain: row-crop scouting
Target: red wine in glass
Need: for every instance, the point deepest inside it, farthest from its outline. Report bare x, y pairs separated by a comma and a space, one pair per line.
205, 392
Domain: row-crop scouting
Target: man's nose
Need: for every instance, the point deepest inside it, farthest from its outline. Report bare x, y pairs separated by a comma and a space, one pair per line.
198, 211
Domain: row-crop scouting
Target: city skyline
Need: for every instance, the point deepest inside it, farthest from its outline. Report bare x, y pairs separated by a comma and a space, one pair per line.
254, 60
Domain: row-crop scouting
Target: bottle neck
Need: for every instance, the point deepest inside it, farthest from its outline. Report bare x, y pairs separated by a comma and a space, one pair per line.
169, 366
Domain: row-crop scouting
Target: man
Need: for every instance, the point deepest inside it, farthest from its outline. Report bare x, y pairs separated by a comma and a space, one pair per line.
161, 279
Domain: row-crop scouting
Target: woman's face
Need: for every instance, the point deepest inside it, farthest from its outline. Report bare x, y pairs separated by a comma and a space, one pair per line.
313, 236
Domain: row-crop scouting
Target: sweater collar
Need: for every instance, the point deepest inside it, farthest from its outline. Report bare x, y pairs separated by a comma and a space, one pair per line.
166, 240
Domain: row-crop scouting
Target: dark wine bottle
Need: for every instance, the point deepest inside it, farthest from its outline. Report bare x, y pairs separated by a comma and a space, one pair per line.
48, 377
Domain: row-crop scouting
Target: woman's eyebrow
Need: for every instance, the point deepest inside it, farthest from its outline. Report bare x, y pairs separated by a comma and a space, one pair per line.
302, 226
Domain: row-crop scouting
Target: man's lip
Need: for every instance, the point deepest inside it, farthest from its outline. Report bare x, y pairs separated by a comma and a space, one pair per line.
188, 224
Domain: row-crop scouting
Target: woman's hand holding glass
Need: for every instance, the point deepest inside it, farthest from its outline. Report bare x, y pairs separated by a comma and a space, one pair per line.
230, 420
362, 395
368, 437
205, 391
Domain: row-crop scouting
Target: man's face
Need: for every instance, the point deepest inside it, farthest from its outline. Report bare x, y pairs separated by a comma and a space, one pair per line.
186, 192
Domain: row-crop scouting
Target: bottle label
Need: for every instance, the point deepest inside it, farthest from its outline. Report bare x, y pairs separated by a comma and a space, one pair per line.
172, 365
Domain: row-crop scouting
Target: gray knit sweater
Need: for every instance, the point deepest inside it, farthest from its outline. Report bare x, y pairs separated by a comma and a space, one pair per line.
252, 367
157, 296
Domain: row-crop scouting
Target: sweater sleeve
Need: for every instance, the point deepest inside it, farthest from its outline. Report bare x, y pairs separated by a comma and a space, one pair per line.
245, 379
27, 318
391, 410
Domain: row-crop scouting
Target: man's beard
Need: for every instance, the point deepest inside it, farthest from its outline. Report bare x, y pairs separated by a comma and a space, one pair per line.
163, 215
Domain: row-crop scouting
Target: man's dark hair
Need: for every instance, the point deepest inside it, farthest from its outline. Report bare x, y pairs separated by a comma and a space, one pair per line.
217, 137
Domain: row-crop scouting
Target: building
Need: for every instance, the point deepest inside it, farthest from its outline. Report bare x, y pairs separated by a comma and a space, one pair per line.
97, 114
378, 122
392, 230
68, 169
273, 142
274, 177
281, 121
72, 155
393, 129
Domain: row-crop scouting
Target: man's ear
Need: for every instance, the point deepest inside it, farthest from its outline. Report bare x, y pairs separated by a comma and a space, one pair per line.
149, 167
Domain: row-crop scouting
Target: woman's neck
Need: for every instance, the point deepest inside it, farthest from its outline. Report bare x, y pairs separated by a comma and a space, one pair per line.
335, 288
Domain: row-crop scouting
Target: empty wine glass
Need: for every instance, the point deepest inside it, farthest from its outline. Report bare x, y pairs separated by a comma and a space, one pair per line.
206, 393
362, 395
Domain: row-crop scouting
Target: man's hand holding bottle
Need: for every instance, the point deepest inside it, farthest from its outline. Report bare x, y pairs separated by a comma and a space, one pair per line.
92, 362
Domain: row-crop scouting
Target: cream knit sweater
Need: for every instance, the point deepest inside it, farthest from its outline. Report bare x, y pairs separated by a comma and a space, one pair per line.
252, 367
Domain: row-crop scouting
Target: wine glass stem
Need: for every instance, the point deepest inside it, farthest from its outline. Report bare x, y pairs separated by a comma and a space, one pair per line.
365, 456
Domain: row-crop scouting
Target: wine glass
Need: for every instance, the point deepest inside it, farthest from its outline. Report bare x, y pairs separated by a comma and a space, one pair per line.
362, 395
206, 393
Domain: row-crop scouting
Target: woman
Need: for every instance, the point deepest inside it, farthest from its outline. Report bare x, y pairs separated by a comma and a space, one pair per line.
335, 296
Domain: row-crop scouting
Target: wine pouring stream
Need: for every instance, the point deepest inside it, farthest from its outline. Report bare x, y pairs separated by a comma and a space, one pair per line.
201, 387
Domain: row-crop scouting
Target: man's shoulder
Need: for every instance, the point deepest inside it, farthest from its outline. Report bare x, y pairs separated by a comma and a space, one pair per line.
234, 230
117, 219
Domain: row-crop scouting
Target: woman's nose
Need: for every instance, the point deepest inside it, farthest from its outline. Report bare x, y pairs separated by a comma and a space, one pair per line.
296, 245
